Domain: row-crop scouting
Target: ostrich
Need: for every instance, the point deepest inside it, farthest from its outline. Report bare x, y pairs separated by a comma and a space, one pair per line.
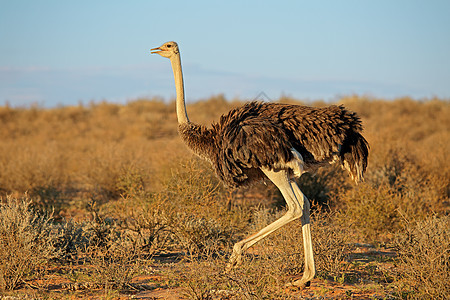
274, 141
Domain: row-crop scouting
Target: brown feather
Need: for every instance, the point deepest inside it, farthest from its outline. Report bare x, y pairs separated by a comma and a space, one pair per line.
262, 135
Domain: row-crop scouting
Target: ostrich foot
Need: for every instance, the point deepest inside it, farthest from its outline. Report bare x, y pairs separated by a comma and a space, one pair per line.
303, 282
299, 284
235, 259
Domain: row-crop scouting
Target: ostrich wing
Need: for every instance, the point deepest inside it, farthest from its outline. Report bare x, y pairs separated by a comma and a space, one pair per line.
249, 142
263, 135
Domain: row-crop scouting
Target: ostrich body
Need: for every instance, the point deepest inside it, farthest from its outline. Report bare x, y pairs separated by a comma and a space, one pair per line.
274, 141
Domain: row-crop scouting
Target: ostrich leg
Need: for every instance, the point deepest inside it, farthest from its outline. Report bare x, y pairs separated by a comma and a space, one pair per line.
310, 270
298, 206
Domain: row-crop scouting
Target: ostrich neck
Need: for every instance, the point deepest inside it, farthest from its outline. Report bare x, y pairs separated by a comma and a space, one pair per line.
179, 86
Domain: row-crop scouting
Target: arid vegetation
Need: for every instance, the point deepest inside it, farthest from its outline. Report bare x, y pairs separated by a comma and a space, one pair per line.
104, 201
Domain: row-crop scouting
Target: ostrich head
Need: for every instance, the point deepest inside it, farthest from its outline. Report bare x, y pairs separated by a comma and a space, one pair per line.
168, 50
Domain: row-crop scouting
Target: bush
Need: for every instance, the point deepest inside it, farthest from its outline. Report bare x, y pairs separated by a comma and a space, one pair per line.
373, 212
27, 242
114, 266
330, 246
424, 259
199, 214
269, 265
201, 236
114, 255
72, 237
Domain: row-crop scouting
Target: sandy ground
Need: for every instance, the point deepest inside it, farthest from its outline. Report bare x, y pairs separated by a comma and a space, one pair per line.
368, 273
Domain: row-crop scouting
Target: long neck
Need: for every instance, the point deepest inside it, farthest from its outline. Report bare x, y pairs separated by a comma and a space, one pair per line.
179, 86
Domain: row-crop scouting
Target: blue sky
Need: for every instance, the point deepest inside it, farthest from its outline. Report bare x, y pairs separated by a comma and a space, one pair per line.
66, 52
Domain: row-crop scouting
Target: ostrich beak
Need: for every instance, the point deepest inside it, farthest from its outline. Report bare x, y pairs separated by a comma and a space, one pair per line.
156, 50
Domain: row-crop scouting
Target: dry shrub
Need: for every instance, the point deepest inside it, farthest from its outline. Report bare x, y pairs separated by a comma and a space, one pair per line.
84, 149
397, 189
114, 267
372, 212
109, 169
114, 255
331, 245
256, 278
284, 249
424, 259
131, 183
201, 218
198, 279
267, 266
401, 174
72, 238
30, 164
50, 198
205, 279
270, 264
147, 219
27, 242
201, 236
191, 211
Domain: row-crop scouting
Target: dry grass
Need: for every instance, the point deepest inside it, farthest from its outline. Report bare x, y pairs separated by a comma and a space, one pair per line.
424, 259
124, 189
27, 242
